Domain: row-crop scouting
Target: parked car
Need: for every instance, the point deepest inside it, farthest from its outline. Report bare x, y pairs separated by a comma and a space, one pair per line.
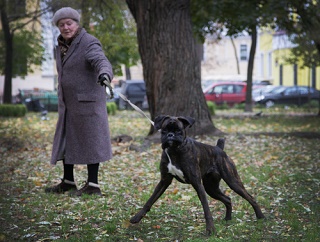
226, 92
295, 95
135, 91
38, 100
259, 92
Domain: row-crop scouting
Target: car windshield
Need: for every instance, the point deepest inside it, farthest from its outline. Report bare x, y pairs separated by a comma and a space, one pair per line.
278, 90
206, 84
264, 89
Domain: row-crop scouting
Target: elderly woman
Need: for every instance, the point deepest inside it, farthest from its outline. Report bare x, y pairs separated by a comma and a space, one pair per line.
82, 133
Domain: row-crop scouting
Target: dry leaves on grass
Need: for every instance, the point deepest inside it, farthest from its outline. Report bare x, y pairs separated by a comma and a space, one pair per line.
281, 172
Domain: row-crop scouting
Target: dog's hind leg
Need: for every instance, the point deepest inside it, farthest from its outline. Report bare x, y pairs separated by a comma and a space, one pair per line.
158, 191
230, 175
211, 183
237, 186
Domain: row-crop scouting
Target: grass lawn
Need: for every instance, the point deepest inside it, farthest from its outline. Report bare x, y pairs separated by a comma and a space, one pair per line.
277, 156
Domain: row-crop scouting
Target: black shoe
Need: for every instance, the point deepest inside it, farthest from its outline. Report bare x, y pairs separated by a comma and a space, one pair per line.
62, 187
90, 189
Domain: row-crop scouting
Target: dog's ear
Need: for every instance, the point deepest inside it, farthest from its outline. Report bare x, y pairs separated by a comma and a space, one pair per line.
187, 121
159, 121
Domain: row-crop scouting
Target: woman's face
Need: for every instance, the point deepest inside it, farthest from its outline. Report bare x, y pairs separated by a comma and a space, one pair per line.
68, 27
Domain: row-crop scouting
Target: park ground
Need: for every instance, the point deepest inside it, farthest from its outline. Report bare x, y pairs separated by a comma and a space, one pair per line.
276, 153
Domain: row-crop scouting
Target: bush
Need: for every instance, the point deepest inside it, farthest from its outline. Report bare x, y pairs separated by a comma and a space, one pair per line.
111, 108
211, 107
13, 110
311, 104
240, 106
223, 106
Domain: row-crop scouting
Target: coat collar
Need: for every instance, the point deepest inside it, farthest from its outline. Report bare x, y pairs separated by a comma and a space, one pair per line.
74, 45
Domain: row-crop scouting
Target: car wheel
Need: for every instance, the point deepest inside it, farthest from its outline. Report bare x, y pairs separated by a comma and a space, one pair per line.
269, 103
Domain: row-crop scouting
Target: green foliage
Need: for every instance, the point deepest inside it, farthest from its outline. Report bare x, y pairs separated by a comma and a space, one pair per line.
312, 104
233, 17
116, 30
304, 50
111, 108
300, 20
27, 52
211, 107
223, 106
12, 110
240, 106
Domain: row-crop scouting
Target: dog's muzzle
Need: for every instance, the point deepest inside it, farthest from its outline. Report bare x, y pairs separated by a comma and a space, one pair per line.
170, 138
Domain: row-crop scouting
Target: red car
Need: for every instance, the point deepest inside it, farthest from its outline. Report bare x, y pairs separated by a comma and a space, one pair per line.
226, 92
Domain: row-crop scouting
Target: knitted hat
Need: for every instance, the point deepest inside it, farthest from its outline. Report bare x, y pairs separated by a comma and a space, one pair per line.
66, 12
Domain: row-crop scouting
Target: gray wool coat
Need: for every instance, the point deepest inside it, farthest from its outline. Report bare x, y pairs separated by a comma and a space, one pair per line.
82, 133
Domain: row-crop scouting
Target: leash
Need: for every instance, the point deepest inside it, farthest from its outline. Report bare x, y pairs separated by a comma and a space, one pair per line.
135, 107
110, 94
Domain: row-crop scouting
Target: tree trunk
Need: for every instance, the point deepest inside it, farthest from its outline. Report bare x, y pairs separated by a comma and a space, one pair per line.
171, 67
8, 39
235, 54
85, 5
128, 73
249, 104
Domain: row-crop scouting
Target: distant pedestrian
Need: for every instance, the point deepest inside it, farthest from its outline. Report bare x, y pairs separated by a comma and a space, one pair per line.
82, 133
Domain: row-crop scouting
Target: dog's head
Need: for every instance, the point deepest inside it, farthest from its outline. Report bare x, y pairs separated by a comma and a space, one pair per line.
173, 129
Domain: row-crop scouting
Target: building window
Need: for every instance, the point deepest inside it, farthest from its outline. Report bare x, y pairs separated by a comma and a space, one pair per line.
243, 52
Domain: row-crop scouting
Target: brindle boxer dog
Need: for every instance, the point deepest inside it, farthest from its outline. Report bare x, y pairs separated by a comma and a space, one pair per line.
198, 164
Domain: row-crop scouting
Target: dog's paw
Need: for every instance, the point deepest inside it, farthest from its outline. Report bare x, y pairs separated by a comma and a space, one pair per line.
135, 219
210, 230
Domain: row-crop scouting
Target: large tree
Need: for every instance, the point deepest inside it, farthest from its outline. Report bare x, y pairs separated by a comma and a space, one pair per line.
171, 63
20, 43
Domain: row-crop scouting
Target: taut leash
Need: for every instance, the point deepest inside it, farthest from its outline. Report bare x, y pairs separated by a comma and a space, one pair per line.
135, 107
110, 94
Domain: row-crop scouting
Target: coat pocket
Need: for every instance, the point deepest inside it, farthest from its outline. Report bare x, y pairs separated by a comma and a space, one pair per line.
86, 104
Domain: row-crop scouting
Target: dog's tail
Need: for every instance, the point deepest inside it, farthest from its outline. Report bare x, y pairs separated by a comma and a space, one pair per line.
220, 143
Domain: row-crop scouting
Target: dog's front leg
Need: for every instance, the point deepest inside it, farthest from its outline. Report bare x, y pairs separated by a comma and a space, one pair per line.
204, 201
158, 191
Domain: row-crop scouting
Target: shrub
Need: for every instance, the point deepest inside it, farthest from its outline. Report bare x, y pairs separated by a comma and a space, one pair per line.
240, 106
312, 104
223, 106
13, 110
111, 108
211, 107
